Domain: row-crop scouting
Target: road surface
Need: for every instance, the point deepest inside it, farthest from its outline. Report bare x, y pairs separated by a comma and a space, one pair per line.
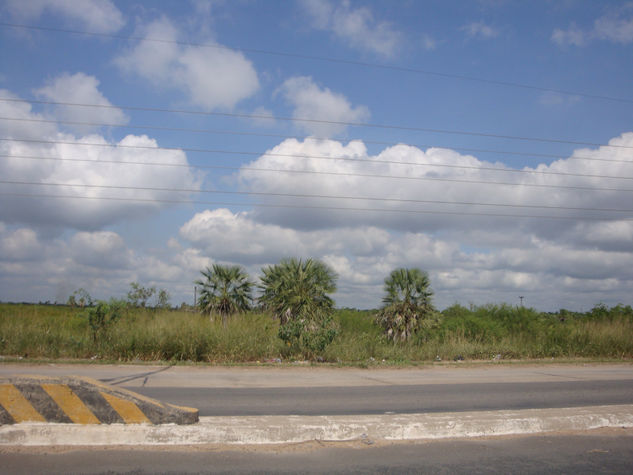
603, 451
222, 391
396, 399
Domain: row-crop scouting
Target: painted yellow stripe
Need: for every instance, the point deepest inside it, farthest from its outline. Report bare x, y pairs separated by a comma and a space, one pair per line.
17, 405
129, 411
70, 403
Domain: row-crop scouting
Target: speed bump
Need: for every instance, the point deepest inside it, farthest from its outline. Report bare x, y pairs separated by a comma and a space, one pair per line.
80, 400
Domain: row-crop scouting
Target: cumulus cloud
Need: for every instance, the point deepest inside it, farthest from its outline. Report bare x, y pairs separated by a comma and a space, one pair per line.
104, 249
431, 189
572, 36
471, 257
310, 101
213, 78
100, 165
542, 269
355, 26
615, 26
45, 268
99, 16
428, 42
20, 244
479, 29
550, 98
225, 235
80, 88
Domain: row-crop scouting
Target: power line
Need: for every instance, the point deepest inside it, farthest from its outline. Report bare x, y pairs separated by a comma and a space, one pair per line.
335, 208
316, 157
306, 137
306, 195
316, 121
315, 172
327, 59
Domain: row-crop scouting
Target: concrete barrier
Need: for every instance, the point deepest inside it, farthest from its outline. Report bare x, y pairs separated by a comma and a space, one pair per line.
254, 430
80, 400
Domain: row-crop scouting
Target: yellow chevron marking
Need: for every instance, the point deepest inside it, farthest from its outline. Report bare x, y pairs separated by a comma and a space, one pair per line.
70, 403
129, 411
17, 405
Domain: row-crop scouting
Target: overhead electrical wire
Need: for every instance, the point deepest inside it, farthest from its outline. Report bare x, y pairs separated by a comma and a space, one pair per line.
334, 208
366, 64
316, 157
315, 172
307, 137
307, 195
316, 121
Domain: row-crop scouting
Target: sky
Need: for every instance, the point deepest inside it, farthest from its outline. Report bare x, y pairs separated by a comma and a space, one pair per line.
488, 143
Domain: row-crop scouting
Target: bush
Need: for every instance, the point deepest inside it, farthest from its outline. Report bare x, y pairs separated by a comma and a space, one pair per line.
308, 336
103, 315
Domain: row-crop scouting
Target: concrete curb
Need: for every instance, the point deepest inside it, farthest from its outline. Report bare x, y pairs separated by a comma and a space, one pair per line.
294, 429
80, 400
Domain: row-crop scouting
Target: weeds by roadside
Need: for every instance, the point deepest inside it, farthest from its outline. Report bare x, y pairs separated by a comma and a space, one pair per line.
478, 333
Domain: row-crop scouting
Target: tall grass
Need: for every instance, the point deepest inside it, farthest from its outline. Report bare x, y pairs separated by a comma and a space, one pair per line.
485, 332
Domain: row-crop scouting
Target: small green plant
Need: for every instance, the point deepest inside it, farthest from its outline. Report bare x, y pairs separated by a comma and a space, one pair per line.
103, 315
139, 295
308, 336
163, 299
80, 298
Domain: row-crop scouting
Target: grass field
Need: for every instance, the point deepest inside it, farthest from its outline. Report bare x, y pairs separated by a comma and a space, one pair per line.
478, 333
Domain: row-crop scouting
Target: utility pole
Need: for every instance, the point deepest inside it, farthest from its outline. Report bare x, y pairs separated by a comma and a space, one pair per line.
195, 295
521, 299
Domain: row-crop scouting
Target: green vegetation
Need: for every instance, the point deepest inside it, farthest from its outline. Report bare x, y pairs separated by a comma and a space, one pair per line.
296, 293
103, 315
297, 320
477, 333
225, 290
408, 307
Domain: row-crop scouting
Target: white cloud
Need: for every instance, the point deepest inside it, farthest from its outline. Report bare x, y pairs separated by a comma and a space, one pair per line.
100, 249
470, 258
547, 272
429, 175
355, 26
23, 128
84, 208
615, 26
99, 16
213, 78
428, 43
550, 98
313, 102
41, 267
19, 245
80, 88
572, 36
480, 29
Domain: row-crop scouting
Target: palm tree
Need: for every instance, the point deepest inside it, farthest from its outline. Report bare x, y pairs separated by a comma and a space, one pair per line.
407, 303
225, 290
296, 292
295, 288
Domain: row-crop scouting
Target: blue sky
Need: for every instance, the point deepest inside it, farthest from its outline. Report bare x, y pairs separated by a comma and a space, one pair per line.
512, 123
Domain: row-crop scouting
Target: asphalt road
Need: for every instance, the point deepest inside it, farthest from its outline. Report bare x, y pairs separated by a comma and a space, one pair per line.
418, 398
300, 390
604, 451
